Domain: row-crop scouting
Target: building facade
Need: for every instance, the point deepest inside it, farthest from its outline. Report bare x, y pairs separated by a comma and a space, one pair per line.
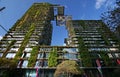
99, 49
27, 45
33, 29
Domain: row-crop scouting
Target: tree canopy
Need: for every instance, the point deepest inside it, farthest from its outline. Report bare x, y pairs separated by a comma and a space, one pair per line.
67, 68
112, 17
7, 63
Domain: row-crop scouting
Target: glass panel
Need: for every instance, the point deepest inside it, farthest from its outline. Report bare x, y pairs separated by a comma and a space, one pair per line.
42, 55
117, 55
110, 56
10, 55
30, 73
27, 55
47, 54
14, 49
37, 64
41, 63
1, 54
28, 49
25, 63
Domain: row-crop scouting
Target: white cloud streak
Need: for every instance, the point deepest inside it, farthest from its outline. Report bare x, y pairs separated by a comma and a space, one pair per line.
0, 37
105, 3
99, 3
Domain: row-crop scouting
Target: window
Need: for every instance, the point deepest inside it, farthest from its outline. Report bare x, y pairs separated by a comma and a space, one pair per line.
28, 49
110, 55
10, 55
117, 55
41, 63
113, 49
42, 55
25, 63
1, 54
30, 73
14, 49
26, 55
37, 64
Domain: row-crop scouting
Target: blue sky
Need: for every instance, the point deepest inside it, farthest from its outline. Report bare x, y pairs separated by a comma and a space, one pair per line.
79, 9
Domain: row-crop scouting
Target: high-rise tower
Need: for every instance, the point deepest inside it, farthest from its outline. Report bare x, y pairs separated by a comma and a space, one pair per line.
26, 46
99, 48
34, 28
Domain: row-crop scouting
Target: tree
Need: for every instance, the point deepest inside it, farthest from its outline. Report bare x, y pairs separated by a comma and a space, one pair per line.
8, 68
67, 68
112, 17
7, 63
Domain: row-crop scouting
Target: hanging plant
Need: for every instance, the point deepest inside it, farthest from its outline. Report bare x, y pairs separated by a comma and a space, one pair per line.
84, 53
52, 58
86, 59
25, 41
105, 57
33, 57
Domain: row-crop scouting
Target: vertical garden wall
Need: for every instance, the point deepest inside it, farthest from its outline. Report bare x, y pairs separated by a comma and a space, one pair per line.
24, 42
33, 58
52, 58
84, 54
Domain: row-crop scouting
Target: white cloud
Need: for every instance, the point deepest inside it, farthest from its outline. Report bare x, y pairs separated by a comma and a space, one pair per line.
99, 3
64, 44
109, 3
105, 3
0, 37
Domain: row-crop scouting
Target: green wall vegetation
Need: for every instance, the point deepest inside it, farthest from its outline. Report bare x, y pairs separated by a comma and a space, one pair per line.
104, 36
25, 41
84, 54
105, 57
52, 58
33, 57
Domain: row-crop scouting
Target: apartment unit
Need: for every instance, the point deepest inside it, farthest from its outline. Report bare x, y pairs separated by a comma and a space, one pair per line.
33, 29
